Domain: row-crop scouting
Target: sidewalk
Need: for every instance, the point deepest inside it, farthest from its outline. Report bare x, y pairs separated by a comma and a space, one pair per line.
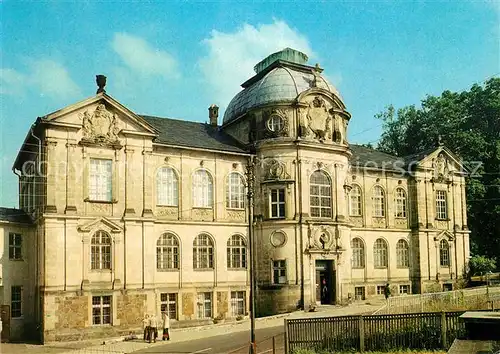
119, 346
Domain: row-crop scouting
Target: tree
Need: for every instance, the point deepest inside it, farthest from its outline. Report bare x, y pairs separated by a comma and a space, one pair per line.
468, 123
480, 265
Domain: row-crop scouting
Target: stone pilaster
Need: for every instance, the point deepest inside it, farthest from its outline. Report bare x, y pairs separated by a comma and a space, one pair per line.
148, 174
51, 166
129, 182
71, 182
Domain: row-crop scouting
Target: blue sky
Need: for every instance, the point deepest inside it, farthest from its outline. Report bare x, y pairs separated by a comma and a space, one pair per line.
174, 59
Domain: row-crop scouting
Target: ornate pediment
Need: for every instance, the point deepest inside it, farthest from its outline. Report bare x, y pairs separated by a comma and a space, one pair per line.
100, 223
446, 235
100, 127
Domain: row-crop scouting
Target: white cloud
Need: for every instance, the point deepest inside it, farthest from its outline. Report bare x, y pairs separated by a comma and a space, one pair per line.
53, 79
11, 82
232, 56
141, 57
45, 77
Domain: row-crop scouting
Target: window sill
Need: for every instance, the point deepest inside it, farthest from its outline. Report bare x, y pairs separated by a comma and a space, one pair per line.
203, 269
16, 259
355, 216
20, 318
236, 269
166, 206
167, 270
276, 218
441, 219
100, 270
358, 267
401, 267
378, 217
88, 200
203, 207
400, 217
444, 266
102, 325
381, 267
236, 209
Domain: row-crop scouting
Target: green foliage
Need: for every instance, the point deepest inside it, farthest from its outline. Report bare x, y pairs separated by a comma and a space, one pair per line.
468, 123
479, 265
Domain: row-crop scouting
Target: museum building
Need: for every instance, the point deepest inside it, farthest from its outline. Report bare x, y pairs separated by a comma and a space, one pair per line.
123, 214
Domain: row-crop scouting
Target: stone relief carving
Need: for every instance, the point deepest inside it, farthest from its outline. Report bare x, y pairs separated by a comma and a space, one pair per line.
276, 169
236, 215
357, 221
202, 214
324, 238
100, 208
167, 212
320, 122
441, 168
278, 238
441, 224
401, 223
378, 222
100, 127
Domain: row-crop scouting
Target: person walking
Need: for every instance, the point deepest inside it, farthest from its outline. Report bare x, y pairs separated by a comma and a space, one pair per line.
166, 325
387, 291
153, 328
145, 327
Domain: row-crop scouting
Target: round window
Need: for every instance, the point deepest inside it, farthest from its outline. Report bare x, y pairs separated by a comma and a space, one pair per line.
278, 238
275, 123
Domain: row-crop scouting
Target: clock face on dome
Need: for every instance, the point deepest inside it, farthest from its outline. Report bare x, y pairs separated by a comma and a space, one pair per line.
275, 123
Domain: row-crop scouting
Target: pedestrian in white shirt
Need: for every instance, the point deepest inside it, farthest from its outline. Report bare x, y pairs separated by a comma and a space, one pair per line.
166, 325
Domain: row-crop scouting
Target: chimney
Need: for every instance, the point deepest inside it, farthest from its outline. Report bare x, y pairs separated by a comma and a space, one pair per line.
213, 114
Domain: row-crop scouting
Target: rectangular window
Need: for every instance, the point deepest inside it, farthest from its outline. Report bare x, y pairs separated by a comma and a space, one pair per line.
237, 303
380, 289
101, 310
447, 287
15, 242
359, 292
279, 272
16, 301
277, 203
404, 289
169, 305
441, 205
204, 305
100, 181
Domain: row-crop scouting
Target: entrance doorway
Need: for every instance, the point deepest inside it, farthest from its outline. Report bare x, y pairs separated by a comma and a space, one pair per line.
325, 282
5, 317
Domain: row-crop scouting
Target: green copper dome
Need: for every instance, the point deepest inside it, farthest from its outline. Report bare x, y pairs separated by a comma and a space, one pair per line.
279, 78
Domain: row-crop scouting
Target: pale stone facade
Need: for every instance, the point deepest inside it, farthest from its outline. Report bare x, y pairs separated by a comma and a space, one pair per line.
131, 212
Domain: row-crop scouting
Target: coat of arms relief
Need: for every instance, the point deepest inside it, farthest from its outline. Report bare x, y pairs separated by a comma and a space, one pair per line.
100, 127
319, 121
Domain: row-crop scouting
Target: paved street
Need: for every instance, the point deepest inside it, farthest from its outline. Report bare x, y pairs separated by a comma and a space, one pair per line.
235, 343
228, 338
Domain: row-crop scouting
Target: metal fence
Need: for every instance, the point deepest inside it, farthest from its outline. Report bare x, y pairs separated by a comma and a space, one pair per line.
433, 330
457, 300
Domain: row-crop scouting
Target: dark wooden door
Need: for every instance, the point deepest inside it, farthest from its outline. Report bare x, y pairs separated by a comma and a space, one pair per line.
5, 316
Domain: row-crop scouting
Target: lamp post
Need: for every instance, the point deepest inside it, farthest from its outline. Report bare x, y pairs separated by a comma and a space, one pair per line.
250, 172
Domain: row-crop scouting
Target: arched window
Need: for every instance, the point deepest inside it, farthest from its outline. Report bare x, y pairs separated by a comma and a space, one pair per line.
358, 253
202, 189
167, 190
235, 191
236, 252
378, 202
321, 195
203, 252
167, 252
444, 253
100, 251
400, 203
380, 253
355, 201
403, 254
